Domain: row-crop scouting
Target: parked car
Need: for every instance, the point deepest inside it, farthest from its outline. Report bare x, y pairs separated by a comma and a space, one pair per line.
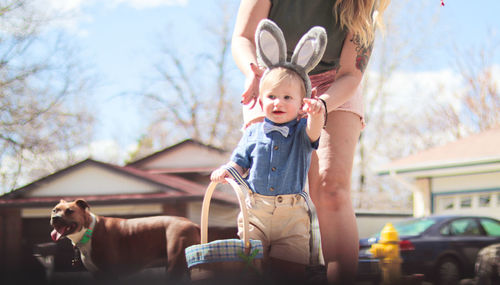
443, 248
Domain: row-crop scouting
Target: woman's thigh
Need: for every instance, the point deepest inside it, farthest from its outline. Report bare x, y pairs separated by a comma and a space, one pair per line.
332, 163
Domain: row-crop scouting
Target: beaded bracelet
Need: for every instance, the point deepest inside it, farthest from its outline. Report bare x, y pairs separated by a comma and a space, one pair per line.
326, 112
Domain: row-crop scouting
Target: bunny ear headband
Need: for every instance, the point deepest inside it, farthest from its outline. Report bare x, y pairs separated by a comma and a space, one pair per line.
271, 50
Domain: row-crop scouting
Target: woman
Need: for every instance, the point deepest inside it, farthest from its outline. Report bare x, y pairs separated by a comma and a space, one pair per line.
350, 26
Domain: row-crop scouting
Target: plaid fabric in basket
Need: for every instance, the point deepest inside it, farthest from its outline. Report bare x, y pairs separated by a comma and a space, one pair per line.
222, 250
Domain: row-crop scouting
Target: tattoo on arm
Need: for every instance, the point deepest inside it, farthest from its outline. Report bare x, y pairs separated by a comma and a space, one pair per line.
363, 54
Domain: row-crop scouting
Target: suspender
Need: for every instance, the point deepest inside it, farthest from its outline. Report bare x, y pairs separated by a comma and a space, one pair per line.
315, 240
237, 177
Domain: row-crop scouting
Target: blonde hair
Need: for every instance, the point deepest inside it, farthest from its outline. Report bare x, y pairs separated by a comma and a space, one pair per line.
278, 75
361, 17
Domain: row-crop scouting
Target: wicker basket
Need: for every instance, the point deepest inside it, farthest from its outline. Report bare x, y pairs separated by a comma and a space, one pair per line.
227, 259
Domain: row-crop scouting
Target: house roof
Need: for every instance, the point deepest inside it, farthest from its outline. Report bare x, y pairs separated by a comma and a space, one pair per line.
476, 153
169, 187
140, 162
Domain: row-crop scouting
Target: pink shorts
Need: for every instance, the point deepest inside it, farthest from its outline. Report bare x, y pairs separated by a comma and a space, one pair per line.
322, 82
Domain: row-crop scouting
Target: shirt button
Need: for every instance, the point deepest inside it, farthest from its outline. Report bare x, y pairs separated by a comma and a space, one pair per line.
273, 169
271, 189
276, 147
280, 199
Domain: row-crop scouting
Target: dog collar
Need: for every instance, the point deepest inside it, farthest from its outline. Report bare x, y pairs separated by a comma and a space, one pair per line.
88, 234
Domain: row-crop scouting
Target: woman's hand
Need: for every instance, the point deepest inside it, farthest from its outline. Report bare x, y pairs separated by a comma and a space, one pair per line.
252, 91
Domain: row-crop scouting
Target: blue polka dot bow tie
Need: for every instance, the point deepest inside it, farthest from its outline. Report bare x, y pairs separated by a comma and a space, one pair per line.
283, 130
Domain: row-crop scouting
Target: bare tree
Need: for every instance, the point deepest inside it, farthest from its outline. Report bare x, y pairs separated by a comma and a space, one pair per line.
476, 106
193, 97
40, 77
394, 47
448, 113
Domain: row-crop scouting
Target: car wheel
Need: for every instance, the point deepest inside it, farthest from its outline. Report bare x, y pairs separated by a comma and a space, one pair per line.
447, 272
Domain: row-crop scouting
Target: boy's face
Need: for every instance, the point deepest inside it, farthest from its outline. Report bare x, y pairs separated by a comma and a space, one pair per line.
281, 103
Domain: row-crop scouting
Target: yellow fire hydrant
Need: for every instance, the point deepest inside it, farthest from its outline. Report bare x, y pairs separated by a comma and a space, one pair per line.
387, 251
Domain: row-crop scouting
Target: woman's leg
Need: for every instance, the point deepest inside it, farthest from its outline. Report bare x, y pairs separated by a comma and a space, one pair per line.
330, 188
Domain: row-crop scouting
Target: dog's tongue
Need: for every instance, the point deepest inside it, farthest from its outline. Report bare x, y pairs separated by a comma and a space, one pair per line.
56, 235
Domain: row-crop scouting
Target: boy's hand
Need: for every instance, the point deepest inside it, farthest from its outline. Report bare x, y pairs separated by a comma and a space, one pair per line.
316, 117
219, 175
313, 107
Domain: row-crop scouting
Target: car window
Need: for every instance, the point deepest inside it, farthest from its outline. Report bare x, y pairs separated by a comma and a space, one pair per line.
461, 227
413, 227
491, 227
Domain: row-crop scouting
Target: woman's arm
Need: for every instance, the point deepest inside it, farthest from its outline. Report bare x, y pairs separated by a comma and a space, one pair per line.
353, 61
243, 47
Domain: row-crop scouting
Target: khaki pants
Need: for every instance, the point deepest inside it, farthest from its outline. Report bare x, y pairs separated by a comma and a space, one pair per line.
282, 223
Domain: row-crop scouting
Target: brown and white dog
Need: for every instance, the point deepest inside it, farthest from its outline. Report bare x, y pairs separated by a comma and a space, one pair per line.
114, 247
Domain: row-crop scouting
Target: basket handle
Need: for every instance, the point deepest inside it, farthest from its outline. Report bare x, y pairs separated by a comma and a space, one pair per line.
206, 205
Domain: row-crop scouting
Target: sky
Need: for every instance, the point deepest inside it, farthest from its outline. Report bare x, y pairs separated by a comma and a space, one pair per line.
119, 39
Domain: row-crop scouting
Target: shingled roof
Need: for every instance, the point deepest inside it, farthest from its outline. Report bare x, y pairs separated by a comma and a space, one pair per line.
481, 151
167, 186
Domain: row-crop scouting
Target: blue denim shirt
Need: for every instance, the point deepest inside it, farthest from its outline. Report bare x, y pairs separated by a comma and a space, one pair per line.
278, 165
